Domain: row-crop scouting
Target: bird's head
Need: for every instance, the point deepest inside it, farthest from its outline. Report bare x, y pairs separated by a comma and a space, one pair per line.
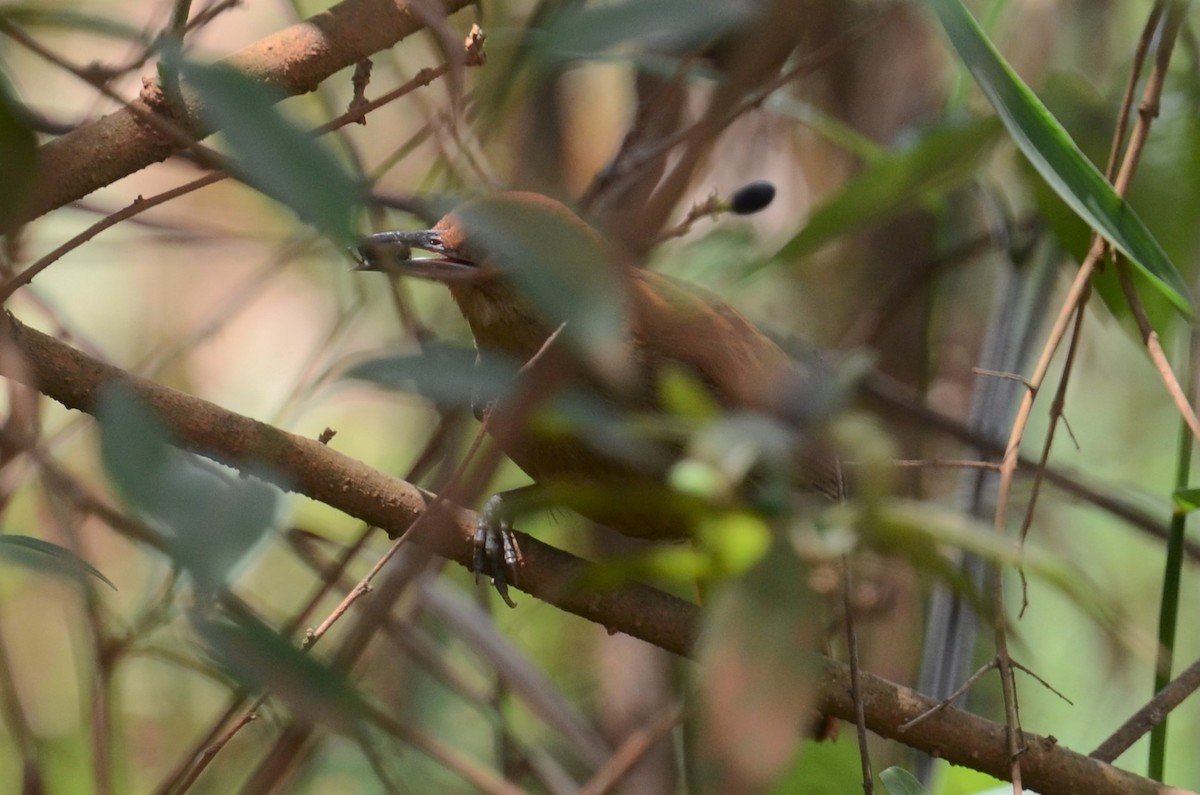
519, 265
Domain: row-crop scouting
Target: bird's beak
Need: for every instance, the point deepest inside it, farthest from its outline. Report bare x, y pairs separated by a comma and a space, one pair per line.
392, 251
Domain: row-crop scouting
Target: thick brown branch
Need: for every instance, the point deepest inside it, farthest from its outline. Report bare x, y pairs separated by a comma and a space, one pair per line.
968, 740
313, 469
292, 61
308, 467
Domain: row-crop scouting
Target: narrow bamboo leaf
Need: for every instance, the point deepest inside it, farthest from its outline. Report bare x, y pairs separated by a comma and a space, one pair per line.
35, 553
212, 518
255, 655
585, 32
1056, 157
943, 159
38, 15
448, 376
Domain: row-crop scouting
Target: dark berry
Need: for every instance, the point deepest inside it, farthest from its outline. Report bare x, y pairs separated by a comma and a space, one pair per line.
751, 198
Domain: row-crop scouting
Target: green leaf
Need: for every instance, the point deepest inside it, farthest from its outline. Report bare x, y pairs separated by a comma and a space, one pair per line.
212, 517
34, 553
898, 781
943, 159
1186, 500
586, 32
18, 165
1056, 157
38, 15
448, 376
271, 153
255, 655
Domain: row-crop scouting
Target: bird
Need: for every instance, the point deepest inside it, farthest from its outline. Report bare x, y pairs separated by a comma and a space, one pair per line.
662, 324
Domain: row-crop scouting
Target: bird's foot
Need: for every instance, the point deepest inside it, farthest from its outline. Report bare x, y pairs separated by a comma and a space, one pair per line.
497, 554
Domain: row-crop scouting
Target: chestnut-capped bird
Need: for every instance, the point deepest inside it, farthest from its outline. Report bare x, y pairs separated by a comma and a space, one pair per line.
656, 323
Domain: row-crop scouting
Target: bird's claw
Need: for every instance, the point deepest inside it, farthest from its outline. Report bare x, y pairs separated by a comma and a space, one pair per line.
496, 550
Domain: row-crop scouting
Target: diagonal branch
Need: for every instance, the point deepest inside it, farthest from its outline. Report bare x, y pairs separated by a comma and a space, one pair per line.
315, 470
308, 467
292, 61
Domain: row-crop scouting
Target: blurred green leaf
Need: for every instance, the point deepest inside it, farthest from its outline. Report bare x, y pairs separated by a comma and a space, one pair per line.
898, 781
736, 541
581, 32
562, 268
211, 516
456, 377
828, 126
681, 392
18, 166
1056, 157
34, 553
273, 154
256, 656
941, 160
41, 15
448, 376
1186, 500
920, 531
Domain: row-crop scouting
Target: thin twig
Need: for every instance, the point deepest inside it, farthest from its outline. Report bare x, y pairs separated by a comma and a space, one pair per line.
1075, 301
856, 692
1154, 712
139, 205
635, 746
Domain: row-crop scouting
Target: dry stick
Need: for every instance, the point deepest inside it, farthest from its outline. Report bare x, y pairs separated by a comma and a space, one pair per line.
1154, 348
193, 764
1056, 413
1008, 468
636, 745
940, 463
312, 636
1076, 297
291, 61
637, 160
481, 777
860, 718
139, 205
1153, 713
310, 468
1135, 73
160, 121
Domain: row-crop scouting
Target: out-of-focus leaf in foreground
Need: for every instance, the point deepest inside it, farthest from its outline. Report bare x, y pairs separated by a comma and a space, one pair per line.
39, 555
1057, 159
273, 154
942, 160
258, 657
44, 15
209, 516
580, 31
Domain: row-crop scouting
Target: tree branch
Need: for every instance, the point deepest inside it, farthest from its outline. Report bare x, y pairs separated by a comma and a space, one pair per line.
308, 467
292, 61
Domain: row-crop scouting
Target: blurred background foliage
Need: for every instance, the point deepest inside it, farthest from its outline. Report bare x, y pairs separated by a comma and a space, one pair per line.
901, 207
